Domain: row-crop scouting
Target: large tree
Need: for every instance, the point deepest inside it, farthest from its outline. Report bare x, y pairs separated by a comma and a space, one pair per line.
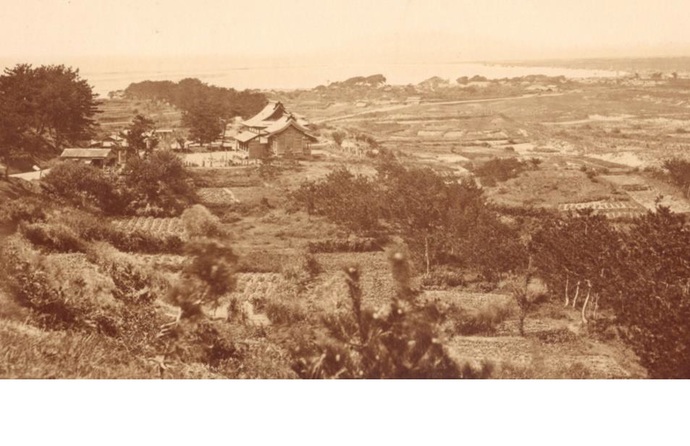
139, 136
44, 109
205, 121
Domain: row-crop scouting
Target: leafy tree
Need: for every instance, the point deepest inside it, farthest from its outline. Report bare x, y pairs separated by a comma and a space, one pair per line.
416, 202
43, 109
582, 252
679, 173
205, 122
139, 136
344, 197
653, 302
159, 184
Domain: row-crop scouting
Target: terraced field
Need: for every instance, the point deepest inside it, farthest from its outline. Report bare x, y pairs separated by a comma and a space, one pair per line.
156, 225
216, 195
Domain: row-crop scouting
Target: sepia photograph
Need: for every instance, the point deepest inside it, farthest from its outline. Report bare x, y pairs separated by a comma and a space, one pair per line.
302, 189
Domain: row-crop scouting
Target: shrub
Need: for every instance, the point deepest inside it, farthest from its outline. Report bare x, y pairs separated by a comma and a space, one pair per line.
85, 186
302, 272
338, 137
443, 279
64, 292
136, 283
56, 237
359, 244
483, 320
284, 312
160, 184
25, 209
200, 222
500, 169
400, 341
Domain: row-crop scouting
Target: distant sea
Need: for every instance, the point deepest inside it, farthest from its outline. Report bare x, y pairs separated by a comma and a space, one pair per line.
116, 74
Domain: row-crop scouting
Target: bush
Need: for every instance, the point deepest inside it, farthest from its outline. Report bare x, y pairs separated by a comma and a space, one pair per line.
135, 282
484, 320
285, 312
86, 187
56, 237
64, 292
360, 244
160, 185
200, 222
400, 341
302, 272
500, 169
338, 137
26, 209
443, 279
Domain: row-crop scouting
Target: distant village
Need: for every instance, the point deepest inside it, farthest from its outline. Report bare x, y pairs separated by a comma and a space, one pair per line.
273, 132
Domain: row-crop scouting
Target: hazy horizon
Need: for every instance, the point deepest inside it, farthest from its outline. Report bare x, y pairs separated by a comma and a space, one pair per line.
276, 33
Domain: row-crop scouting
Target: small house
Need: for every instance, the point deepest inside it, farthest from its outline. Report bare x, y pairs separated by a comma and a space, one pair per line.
101, 157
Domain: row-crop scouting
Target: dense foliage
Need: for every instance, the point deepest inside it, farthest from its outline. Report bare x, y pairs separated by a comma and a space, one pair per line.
205, 108
157, 185
498, 170
160, 185
139, 136
443, 220
640, 272
43, 109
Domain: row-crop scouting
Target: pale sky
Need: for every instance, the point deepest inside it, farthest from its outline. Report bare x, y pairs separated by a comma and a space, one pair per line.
294, 29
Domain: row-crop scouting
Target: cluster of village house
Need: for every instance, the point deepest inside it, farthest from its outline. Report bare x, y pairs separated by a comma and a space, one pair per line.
274, 131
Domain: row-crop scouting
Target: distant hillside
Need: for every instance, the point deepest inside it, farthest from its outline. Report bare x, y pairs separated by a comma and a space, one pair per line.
666, 65
189, 93
373, 81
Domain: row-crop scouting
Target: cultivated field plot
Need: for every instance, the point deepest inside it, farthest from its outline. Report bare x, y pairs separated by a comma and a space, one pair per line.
258, 285
650, 198
501, 349
216, 196
464, 299
610, 209
375, 274
155, 225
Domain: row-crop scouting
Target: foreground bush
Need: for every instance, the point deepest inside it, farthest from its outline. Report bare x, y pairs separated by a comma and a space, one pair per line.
86, 187
66, 292
160, 185
400, 341
482, 321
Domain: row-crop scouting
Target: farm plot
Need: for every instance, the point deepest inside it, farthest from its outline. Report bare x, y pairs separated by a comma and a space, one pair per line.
155, 225
252, 286
650, 198
474, 349
466, 300
610, 209
216, 196
378, 285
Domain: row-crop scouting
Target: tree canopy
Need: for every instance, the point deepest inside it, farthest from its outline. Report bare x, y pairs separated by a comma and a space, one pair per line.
43, 109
